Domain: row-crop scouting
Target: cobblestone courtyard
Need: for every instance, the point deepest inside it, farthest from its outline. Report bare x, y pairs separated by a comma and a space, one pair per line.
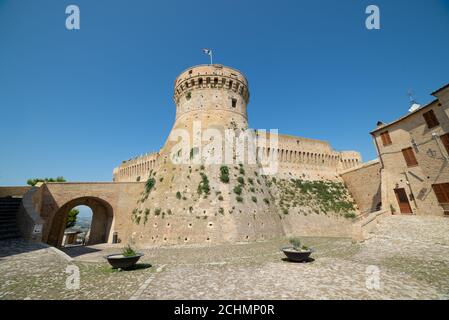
412, 254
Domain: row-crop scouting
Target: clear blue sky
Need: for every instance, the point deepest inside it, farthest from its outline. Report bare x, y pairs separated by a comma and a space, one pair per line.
77, 103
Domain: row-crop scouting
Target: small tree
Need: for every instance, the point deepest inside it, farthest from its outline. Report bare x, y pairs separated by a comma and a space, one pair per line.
71, 219
33, 182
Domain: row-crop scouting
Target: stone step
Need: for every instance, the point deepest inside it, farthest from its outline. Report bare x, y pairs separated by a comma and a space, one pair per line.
4, 220
10, 199
3, 201
9, 206
10, 235
9, 209
10, 224
7, 216
8, 229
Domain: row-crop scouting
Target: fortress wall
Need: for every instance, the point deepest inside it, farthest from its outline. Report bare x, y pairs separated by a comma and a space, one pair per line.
364, 185
130, 170
311, 159
298, 157
297, 225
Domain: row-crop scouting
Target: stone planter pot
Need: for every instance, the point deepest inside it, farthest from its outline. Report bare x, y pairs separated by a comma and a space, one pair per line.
295, 255
122, 262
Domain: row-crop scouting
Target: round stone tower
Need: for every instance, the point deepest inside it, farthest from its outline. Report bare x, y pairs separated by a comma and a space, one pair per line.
211, 88
207, 97
198, 201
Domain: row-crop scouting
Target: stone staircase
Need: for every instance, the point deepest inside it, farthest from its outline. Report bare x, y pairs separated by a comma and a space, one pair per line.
8, 218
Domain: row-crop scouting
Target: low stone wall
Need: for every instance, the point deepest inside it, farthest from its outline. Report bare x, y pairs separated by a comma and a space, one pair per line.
367, 223
13, 191
314, 225
28, 218
364, 185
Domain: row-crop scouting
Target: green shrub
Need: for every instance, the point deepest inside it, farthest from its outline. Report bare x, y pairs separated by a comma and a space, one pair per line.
254, 199
224, 174
238, 190
242, 171
295, 242
239, 199
149, 185
251, 181
241, 180
266, 201
350, 215
221, 210
128, 251
204, 187
157, 211
220, 198
178, 195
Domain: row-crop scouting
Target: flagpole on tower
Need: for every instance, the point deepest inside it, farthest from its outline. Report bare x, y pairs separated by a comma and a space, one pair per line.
210, 54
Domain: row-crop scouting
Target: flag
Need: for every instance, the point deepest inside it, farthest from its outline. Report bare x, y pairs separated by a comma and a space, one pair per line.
207, 51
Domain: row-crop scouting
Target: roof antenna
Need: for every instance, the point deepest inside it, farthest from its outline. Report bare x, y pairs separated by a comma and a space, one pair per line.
413, 104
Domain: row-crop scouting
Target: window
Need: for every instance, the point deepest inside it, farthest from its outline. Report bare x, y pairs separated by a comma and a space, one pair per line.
234, 103
386, 139
431, 119
442, 192
445, 140
409, 157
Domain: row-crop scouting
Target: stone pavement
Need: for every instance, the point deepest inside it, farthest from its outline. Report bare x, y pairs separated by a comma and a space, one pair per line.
410, 253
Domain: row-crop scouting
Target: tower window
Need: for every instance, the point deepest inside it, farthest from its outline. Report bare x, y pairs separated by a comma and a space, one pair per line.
234, 102
445, 141
409, 157
230, 84
386, 140
431, 119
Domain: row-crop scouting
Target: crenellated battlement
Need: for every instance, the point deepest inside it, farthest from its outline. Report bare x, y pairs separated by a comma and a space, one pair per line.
211, 87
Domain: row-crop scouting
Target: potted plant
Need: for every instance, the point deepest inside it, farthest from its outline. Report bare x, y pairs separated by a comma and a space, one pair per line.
124, 260
296, 252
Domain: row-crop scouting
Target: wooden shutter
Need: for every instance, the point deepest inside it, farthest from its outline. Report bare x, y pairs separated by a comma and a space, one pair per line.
431, 119
442, 192
409, 157
445, 141
386, 139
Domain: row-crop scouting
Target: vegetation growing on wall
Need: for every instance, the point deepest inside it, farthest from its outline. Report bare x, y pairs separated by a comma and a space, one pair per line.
33, 182
224, 174
149, 185
203, 187
320, 196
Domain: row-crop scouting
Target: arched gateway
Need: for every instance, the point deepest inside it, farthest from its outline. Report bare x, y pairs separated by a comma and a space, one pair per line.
102, 217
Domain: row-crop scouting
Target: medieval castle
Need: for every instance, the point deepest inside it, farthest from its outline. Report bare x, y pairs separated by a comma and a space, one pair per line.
178, 196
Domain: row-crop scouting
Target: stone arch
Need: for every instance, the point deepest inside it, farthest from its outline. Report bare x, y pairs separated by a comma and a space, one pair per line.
101, 225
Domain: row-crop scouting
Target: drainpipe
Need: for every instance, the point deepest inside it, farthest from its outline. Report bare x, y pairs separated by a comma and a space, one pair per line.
378, 151
435, 137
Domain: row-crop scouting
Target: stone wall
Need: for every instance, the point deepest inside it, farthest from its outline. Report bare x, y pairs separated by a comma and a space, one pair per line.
364, 184
13, 191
